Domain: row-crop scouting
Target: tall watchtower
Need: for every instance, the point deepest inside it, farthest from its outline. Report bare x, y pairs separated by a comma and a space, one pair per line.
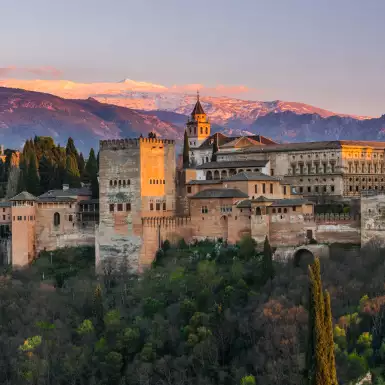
136, 180
198, 125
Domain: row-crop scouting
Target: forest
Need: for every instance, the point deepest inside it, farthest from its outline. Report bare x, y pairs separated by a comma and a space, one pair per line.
44, 166
206, 313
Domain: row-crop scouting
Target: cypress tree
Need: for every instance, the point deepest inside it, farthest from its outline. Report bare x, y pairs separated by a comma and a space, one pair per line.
98, 309
81, 164
72, 175
215, 149
91, 173
268, 260
320, 355
329, 336
47, 173
33, 179
71, 149
186, 150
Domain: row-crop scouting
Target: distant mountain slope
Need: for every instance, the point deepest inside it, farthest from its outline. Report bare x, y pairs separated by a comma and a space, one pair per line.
223, 111
25, 113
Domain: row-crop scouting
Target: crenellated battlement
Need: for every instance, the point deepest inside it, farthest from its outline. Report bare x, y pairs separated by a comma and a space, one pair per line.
330, 217
166, 221
122, 144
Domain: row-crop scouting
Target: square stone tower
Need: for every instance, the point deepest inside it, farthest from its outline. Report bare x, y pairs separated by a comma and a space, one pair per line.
136, 180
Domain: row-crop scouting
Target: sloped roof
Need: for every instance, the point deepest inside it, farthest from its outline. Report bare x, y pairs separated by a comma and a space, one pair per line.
262, 199
71, 192
224, 140
5, 204
252, 176
205, 181
232, 164
220, 193
290, 202
198, 109
244, 204
245, 139
23, 196
55, 199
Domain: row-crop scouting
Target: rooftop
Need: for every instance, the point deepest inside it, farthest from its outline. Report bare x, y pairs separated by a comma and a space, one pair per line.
70, 192
252, 176
198, 109
204, 181
23, 196
304, 146
42, 199
232, 164
290, 202
5, 204
220, 193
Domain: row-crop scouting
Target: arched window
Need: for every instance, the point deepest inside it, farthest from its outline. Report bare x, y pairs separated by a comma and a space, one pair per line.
56, 219
110, 182
258, 211
120, 182
69, 218
115, 183
128, 182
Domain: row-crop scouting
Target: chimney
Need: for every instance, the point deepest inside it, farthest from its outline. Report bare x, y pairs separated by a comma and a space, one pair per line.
66, 187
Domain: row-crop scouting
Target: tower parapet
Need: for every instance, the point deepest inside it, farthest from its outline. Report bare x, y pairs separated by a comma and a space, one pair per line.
122, 144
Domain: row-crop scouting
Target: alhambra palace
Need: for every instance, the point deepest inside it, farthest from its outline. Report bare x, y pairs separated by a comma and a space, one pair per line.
229, 187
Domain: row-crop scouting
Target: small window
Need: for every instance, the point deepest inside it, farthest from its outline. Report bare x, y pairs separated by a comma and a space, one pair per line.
151, 206
279, 210
112, 207
115, 183
120, 182
120, 206
189, 189
204, 210
128, 206
128, 182
285, 210
164, 182
263, 188
124, 182
271, 188
284, 190
274, 211
294, 208
164, 206
70, 218
110, 182
56, 219
309, 189
301, 189
150, 181
256, 188
332, 188
157, 206
157, 181
3, 217
25, 218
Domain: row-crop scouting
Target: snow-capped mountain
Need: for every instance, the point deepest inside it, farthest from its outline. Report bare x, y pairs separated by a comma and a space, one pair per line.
224, 111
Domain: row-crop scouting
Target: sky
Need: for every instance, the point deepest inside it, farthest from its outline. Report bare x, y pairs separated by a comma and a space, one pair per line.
328, 53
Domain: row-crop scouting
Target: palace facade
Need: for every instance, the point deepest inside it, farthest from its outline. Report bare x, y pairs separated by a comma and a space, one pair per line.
234, 186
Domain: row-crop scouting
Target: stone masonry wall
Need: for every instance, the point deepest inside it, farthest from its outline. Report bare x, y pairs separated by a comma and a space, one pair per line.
373, 219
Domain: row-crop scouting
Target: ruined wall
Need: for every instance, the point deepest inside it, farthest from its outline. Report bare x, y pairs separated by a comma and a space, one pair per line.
337, 229
289, 229
373, 219
68, 233
157, 230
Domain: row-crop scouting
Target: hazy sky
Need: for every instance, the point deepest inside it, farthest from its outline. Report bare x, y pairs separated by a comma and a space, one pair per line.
329, 53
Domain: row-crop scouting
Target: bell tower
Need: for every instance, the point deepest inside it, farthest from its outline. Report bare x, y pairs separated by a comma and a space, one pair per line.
198, 125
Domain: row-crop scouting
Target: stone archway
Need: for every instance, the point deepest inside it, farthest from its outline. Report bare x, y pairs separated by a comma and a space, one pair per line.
209, 175
303, 257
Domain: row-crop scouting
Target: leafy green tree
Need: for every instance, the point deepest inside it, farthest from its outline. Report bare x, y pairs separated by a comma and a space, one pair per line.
186, 150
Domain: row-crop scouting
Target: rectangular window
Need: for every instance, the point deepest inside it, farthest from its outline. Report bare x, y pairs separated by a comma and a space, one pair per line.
19, 218
309, 189
128, 206
356, 167
188, 189
263, 188
325, 189
316, 189
294, 208
301, 189
332, 188
13, 217
25, 218
324, 168
3, 210
164, 206
284, 190
204, 210
112, 206
272, 172
256, 188
151, 206
120, 206
4, 217
301, 169
333, 166
158, 206
271, 188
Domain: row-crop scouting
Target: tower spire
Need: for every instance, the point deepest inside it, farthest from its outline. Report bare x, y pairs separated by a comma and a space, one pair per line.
198, 95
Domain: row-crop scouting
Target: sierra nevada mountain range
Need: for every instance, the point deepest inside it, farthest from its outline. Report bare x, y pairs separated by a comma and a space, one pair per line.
89, 112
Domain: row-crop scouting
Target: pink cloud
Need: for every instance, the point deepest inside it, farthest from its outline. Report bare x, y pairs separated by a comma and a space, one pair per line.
219, 90
39, 71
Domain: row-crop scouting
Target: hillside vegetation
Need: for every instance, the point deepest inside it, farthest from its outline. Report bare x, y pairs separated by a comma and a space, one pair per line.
203, 314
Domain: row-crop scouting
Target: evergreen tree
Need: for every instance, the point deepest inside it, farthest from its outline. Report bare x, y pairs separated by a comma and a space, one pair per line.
33, 180
72, 175
268, 267
47, 173
186, 150
98, 309
215, 149
320, 355
91, 173
81, 164
71, 149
